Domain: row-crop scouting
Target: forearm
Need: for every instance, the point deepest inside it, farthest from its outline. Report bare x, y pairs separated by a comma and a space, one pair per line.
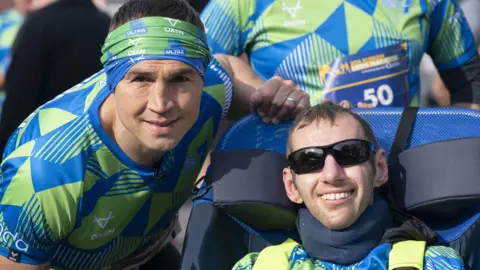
463, 84
245, 82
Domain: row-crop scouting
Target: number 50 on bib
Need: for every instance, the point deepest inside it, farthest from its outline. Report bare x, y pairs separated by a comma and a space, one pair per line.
378, 77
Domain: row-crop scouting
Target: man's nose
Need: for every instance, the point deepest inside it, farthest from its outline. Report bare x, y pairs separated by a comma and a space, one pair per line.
332, 172
160, 98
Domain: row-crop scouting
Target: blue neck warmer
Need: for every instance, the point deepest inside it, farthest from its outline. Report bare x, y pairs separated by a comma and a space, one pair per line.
347, 246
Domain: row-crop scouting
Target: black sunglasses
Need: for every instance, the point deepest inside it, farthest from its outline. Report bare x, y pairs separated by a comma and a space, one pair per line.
346, 153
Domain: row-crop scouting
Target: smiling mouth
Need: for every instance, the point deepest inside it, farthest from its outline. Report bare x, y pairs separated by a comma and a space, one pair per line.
337, 196
162, 123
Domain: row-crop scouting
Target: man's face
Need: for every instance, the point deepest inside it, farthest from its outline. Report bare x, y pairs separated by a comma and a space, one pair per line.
158, 101
337, 196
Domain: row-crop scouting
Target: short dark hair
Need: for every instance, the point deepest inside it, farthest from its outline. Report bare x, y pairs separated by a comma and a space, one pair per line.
328, 111
175, 9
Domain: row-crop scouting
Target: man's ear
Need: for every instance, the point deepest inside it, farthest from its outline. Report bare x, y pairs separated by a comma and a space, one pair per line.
381, 166
290, 187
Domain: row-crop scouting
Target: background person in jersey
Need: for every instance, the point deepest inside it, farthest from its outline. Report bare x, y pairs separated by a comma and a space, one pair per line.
299, 39
10, 21
434, 92
56, 47
12, 15
334, 168
95, 177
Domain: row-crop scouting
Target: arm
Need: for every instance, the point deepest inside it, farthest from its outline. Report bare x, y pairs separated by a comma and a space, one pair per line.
11, 265
453, 50
251, 94
23, 80
245, 82
269, 99
34, 216
463, 84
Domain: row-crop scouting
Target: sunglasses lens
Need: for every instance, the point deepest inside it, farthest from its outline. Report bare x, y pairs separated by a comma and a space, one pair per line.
346, 153
351, 152
307, 160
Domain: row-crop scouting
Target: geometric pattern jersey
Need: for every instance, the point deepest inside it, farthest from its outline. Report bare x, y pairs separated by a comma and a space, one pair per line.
435, 258
293, 38
10, 22
70, 196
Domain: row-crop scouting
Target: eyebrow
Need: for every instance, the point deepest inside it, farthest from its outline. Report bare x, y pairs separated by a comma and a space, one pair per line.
135, 73
181, 71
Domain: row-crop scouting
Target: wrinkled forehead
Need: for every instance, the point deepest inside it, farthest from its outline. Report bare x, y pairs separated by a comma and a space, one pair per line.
324, 132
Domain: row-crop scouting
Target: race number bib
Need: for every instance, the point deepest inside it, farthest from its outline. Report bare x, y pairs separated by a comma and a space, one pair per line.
378, 77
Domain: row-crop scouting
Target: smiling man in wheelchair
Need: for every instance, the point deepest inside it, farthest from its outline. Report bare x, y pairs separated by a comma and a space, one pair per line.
335, 169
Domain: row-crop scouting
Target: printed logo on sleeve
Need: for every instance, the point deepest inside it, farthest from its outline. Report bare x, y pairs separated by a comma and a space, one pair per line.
14, 255
17, 243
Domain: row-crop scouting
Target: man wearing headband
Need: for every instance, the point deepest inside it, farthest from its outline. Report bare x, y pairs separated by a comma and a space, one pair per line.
94, 178
335, 165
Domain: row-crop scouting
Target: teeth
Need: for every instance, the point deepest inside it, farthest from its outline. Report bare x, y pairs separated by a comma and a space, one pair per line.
336, 196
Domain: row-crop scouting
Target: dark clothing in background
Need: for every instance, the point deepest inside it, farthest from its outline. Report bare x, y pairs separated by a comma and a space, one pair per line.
199, 5
56, 48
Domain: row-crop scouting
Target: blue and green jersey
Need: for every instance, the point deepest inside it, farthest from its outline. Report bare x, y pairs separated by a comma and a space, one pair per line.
294, 39
70, 196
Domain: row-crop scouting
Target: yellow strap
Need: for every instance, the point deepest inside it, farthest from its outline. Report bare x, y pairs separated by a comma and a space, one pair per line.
407, 254
275, 257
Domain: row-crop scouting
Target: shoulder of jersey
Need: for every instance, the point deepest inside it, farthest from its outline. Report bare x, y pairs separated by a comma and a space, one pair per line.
216, 74
57, 114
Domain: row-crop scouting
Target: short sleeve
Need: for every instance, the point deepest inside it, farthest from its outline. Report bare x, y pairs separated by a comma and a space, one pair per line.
33, 219
440, 257
228, 25
451, 42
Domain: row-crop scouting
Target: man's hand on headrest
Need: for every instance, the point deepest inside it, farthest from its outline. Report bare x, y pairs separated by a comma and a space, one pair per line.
279, 99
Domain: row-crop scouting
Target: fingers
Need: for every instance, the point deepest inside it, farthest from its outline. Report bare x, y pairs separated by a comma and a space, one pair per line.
284, 92
295, 103
265, 95
346, 104
364, 105
302, 105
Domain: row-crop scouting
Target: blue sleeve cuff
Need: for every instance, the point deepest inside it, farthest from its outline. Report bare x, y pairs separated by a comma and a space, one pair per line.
24, 258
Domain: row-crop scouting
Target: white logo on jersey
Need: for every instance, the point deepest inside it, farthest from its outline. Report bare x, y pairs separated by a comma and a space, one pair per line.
95, 236
7, 236
293, 12
103, 222
400, 6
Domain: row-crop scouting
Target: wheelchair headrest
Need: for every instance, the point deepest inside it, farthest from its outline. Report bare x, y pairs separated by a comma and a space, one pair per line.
439, 165
247, 184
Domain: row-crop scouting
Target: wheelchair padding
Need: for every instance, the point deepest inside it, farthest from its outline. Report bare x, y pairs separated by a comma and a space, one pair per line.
431, 125
439, 179
215, 241
247, 184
